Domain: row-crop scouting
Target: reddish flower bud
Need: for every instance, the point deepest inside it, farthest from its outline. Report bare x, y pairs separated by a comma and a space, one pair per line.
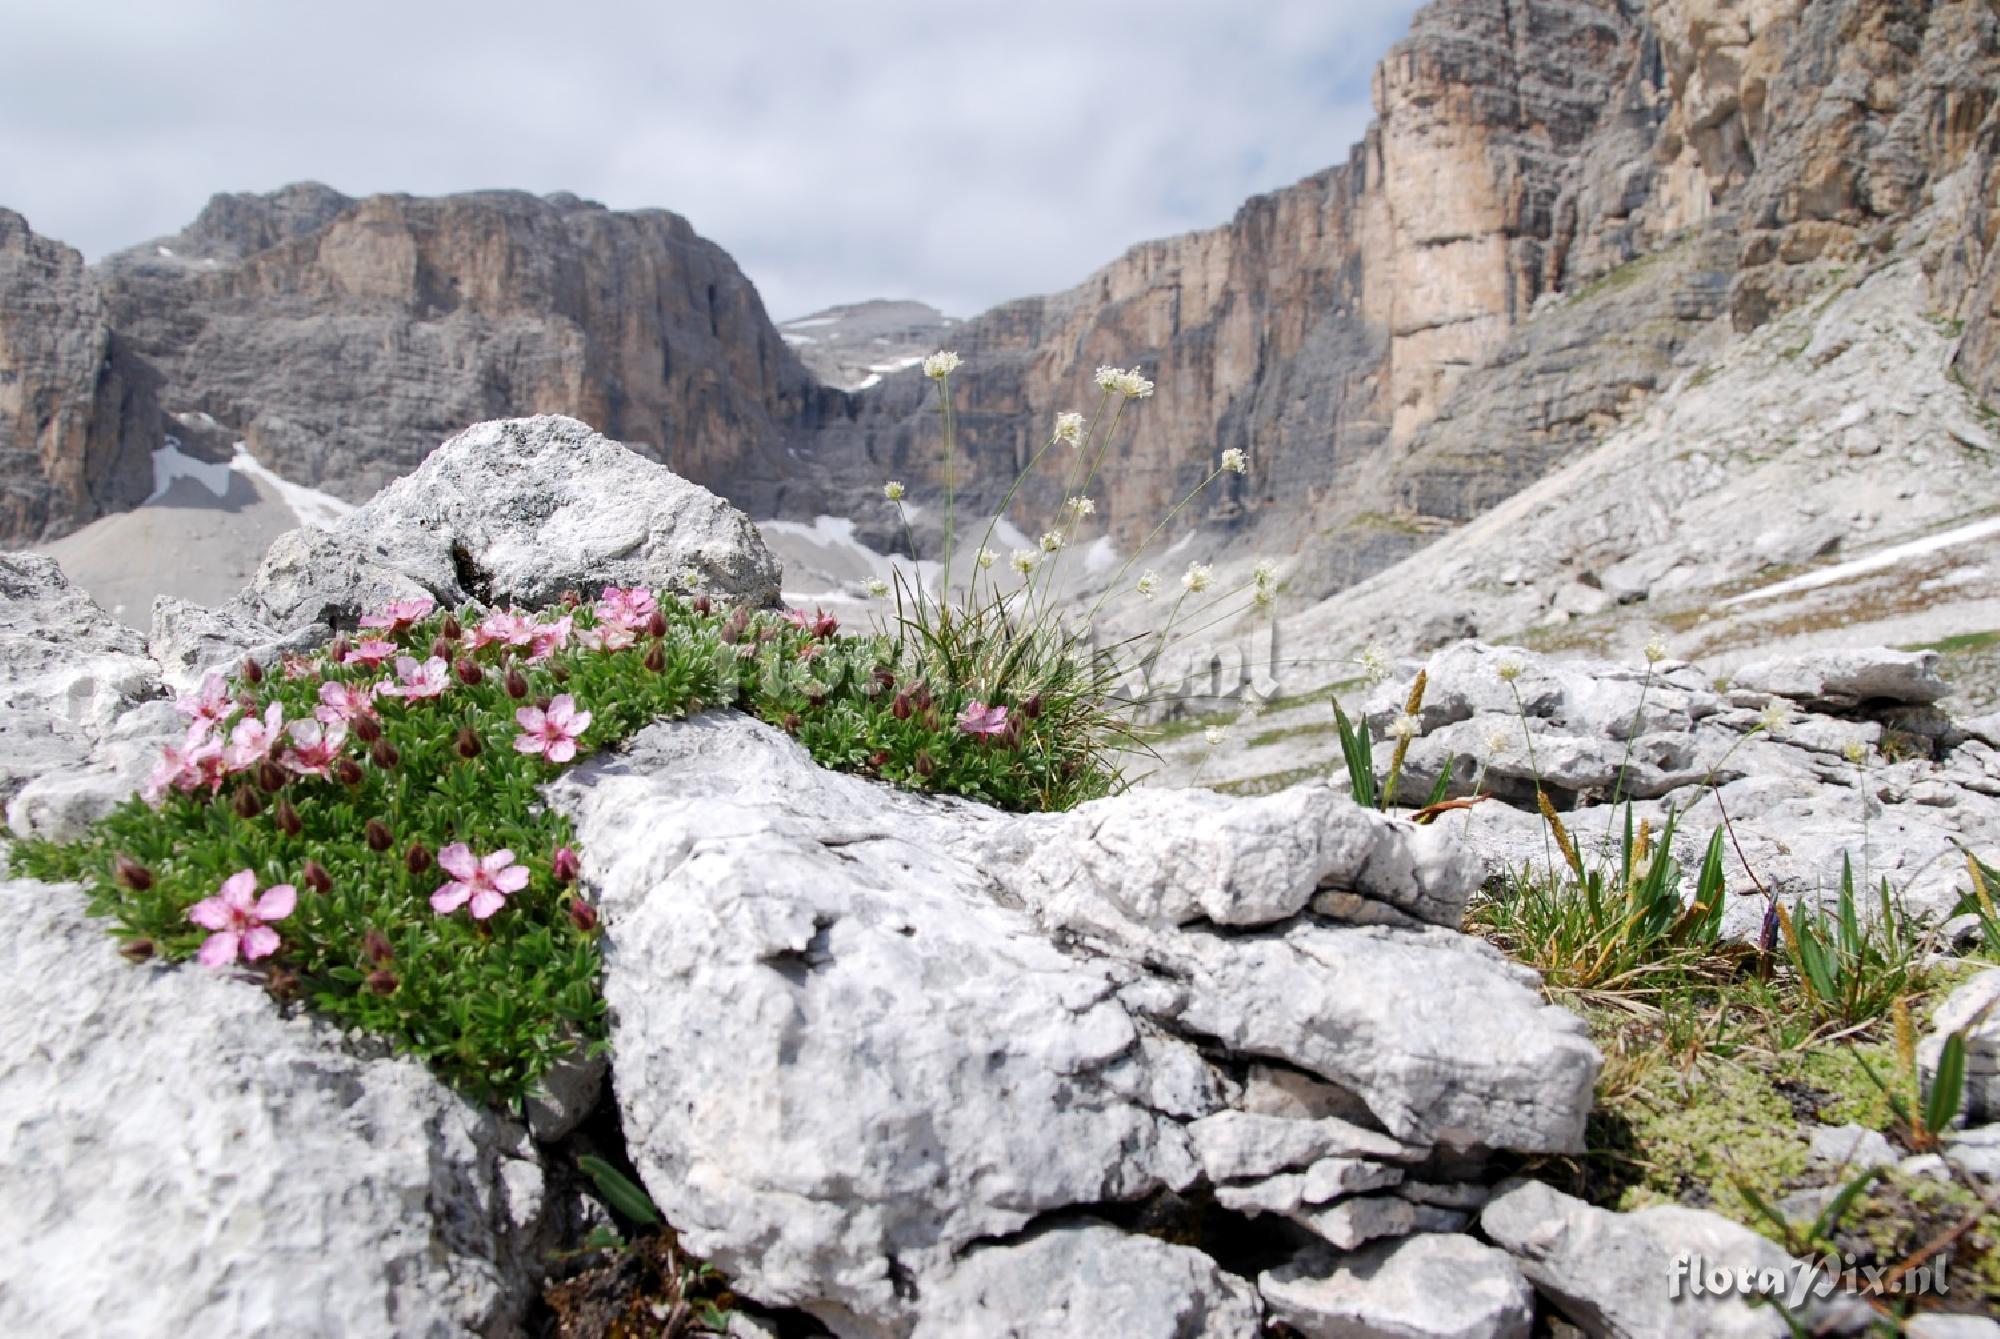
790, 724
381, 981
366, 728
900, 708
131, 874
286, 818
875, 760
925, 767
468, 673
245, 803
735, 625
703, 605
378, 835
566, 867
825, 625
656, 657
1032, 708
571, 599
282, 983
315, 877
467, 744
930, 718
543, 702
270, 777
582, 915
656, 626
417, 859
560, 673
375, 947
451, 631
516, 683
338, 648
136, 950
441, 647
921, 695
383, 754
883, 676
253, 673
347, 772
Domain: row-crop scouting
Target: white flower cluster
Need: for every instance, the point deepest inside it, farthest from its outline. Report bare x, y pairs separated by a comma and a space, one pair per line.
1024, 560
1128, 384
1374, 662
1051, 541
893, 490
1149, 585
1198, 578
1080, 507
1234, 461
940, 365
1069, 428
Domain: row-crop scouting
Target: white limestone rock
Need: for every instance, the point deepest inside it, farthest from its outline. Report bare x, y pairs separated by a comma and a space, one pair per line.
1435, 1286
176, 1158
1846, 679
1973, 1008
515, 511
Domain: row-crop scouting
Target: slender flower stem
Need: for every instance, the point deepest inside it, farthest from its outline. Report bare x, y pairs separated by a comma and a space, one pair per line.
950, 471
1118, 578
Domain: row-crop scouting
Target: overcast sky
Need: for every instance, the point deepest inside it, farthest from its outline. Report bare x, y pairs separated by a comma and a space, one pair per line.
959, 153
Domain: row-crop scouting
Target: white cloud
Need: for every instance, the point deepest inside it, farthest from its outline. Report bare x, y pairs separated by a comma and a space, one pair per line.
960, 154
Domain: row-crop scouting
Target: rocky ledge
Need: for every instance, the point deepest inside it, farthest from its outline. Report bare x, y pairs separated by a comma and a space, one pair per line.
1169, 1065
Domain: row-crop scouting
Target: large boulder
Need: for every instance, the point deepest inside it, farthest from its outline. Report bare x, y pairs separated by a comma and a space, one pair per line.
515, 511
871, 1046
178, 1158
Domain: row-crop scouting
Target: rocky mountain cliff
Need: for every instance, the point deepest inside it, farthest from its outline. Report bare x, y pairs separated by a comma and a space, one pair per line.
1562, 205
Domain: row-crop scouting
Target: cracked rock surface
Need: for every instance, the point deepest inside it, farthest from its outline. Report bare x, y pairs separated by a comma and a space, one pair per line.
879, 1053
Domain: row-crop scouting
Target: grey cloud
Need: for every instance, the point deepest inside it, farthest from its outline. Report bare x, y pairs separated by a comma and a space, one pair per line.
961, 154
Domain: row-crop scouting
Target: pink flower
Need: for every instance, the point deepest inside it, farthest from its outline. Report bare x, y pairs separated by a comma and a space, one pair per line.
566, 866
818, 623
429, 679
298, 667
315, 747
486, 881
551, 637
399, 614
252, 740
980, 719
180, 765
370, 652
208, 703
239, 923
345, 702
552, 733
627, 605
607, 637
510, 627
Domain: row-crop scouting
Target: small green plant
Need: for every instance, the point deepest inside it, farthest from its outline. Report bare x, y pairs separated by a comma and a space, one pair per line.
1922, 1115
1852, 973
1978, 902
620, 1191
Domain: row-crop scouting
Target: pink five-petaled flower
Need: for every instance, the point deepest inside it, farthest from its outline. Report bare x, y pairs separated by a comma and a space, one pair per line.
484, 880
629, 606
196, 759
550, 638
369, 652
552, 733
210, 702
241, 923
415, 681
345, 702
399, 614
508, 626
252, 740
980, 719
315, 746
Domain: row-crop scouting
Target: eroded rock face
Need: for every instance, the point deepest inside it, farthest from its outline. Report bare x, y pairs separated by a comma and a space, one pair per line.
515, 512
859, 1031
181, 1160
1435, 1286
78, 417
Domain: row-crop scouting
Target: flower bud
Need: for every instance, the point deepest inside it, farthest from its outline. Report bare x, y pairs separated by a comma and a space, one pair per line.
338, 648
565, 866
347, 772
543, 702
381, 981
270, 777
656, 657
883, 676
900, 708
441, 647
131, 874
925, 767
877, 759
366, 728
378, 835
451, 631
560, 673
582, 915
136, 950
252, 672
703, 605
245, 803
468, 673
383, 754
735, 625
790, 724
516, 683
417, 859
930, 718
571, 598
375, 947
1032, 708
282, 983
315, 877
467, 744
656, 626
286, 819
921, 695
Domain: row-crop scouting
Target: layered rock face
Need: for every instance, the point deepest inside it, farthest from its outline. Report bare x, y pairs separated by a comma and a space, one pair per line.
342, 339
78, 414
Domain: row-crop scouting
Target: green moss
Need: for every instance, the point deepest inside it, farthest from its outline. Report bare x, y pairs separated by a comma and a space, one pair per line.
1964, 641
